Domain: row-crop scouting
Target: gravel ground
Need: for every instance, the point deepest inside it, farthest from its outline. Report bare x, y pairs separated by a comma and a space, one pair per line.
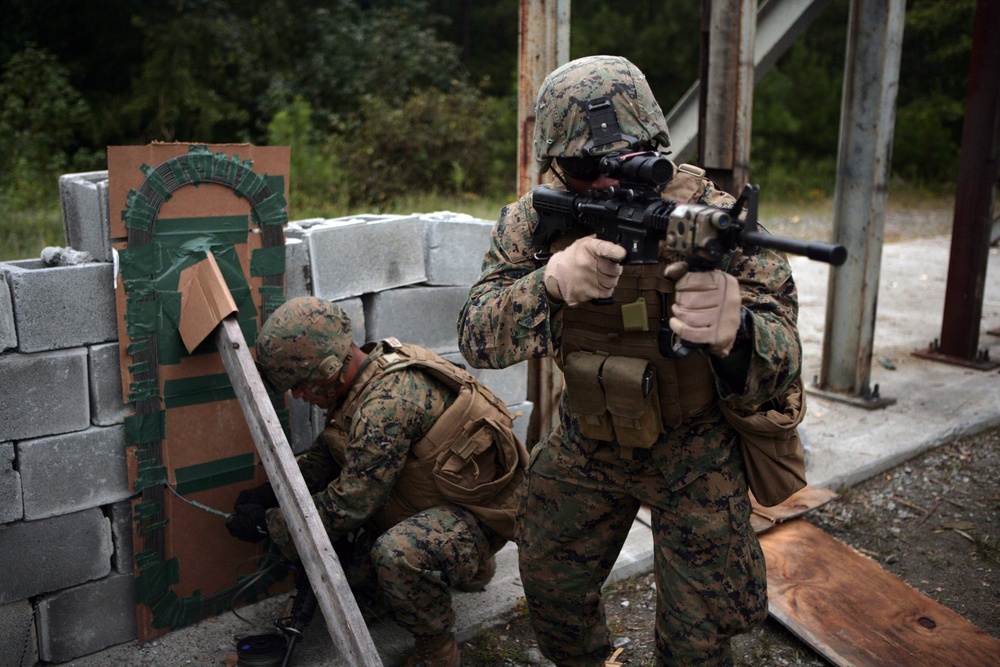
933, 521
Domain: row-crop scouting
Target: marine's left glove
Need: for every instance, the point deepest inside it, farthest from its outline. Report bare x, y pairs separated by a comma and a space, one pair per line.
706, 307
248, 523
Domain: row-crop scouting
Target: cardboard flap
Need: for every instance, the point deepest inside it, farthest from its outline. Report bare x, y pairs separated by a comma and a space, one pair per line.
205, 301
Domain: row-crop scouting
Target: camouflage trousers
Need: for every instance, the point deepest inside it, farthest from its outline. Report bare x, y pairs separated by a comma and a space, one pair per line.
411, 567
581, 500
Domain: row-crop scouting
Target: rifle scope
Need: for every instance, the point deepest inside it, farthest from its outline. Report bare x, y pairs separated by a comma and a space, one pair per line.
648, 168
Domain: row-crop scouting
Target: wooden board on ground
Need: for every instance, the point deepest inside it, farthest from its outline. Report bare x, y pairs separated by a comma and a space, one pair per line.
852, 612
804, 500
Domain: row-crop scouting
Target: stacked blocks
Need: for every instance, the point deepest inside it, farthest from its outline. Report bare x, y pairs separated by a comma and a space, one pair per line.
66, 553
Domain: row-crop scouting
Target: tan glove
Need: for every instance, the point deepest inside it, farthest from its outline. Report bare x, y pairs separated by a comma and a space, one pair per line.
587, 269
706, 307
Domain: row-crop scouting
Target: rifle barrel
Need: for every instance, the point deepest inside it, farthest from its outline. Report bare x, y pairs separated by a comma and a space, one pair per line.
831, 253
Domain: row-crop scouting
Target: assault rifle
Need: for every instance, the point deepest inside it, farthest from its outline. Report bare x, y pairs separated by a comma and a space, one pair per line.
634, 216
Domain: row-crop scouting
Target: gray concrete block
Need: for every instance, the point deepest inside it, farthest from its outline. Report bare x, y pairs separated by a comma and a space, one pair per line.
355, 309
426, 316
44, 393
107, 406
72, 471
522, 417
52, 554
8, 331
85, 213
350, 257
17, 634
11, 506
456, 243
120, 514
62, 306
298, 278
509, 384
66, 620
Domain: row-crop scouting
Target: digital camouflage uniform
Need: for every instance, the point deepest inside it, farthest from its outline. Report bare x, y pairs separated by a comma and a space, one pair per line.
407, 559
583, 494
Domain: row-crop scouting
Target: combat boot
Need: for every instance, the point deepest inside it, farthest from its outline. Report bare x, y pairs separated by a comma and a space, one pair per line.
483, 576
435, 652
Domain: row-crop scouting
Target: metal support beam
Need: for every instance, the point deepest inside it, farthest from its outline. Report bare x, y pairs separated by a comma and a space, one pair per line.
779, 23
725, 110
972, 228
543, 45
867, 120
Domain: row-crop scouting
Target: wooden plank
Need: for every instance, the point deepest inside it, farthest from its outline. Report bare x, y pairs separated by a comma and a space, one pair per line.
343, 618
804, 500
852, 612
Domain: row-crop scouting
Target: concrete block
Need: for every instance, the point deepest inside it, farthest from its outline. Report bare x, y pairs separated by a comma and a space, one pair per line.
11, 506
522, 417
72, 471
44, 393
85, 213
355, 309
17, 634
52, 554
456, 243
62, 306
509, 384
120, 514
8, 331
351, 257
107, 407
298, 278
66, 620
426, 316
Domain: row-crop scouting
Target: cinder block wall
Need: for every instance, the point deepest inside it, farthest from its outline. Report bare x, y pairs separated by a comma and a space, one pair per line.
65, 521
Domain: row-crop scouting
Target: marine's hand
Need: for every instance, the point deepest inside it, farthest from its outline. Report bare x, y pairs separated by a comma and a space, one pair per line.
248, 523
706, 308
588, 269
262, 495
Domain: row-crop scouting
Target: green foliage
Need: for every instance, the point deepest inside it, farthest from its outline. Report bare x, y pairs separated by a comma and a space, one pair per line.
434, 141
315, 173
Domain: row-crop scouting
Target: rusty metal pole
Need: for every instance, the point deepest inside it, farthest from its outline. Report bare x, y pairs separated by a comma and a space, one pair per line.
729, 29
867, 120
972, 228
543, 45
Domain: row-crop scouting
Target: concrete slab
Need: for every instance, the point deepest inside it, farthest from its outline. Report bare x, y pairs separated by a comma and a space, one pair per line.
85, 213
456, 243
58, 398
65, 620
423, 315
107, 406
11, 505
8, 330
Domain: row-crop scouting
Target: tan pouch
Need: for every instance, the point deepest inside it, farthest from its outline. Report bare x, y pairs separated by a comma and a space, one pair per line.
633, 401
585, 394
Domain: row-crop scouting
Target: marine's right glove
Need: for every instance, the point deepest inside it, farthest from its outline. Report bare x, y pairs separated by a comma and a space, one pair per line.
262, 495
248, 523
588, 269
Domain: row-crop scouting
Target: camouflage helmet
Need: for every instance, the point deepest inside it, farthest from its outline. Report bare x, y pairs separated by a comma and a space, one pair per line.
571, 101
305, 339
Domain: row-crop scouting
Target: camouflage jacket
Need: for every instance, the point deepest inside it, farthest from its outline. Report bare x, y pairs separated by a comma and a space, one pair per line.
392, 414
507, 317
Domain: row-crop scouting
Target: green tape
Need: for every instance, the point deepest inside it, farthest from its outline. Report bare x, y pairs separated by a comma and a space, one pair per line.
268, 261
197, 390
155, 182
271, 211
146, 510
141, 390
213, 474
150, 474
142, 428
155, 579
221, 229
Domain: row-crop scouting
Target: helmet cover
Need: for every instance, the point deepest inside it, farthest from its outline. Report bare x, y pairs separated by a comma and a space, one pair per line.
565, 105
305, 340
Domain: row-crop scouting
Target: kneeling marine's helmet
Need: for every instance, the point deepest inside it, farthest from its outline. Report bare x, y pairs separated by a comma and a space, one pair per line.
305, 340
594, 106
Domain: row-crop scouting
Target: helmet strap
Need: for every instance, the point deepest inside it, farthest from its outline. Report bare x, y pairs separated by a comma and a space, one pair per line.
604, 129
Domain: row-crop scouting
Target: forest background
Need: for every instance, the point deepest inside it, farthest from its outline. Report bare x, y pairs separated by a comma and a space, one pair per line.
410, 105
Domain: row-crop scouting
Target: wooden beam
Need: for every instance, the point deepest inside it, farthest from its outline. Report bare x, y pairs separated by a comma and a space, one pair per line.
343, 618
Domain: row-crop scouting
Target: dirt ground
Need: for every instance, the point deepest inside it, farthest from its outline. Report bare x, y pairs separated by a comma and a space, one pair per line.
934, 521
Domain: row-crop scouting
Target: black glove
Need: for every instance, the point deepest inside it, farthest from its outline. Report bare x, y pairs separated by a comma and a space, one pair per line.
248, 523
262, 495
